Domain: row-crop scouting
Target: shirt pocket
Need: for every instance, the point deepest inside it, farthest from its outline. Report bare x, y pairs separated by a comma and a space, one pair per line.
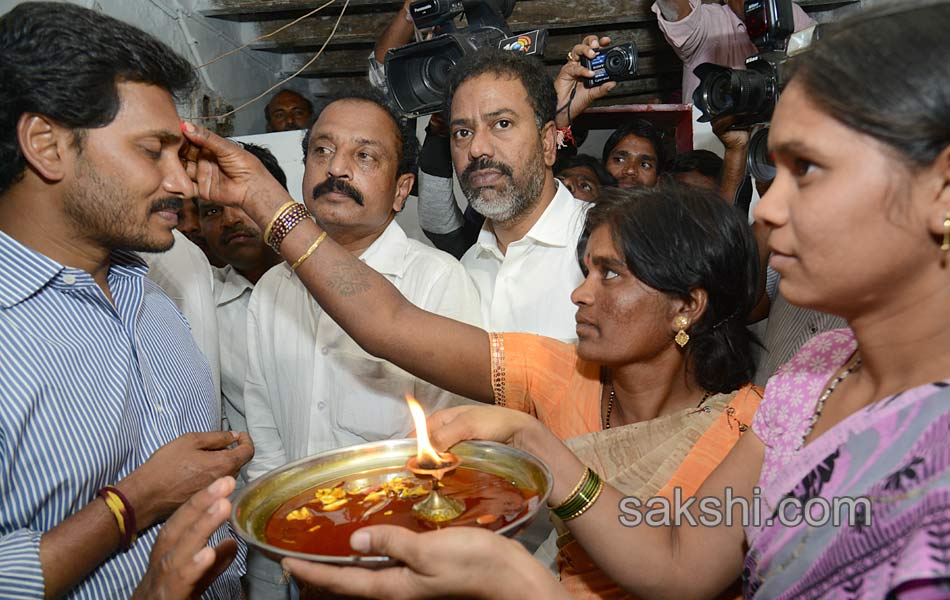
367, 396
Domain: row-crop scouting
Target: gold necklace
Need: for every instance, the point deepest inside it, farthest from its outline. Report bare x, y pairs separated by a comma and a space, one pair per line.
612, 397
824, 398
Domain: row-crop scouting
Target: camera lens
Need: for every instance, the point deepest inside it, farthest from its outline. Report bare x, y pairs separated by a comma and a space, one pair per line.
617, 62
435, 72
761, 165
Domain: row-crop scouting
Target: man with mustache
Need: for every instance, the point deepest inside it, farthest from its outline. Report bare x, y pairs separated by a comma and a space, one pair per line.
108, 413
309, 386
503, 141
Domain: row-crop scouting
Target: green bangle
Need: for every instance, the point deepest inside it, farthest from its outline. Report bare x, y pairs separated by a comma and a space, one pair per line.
580, 501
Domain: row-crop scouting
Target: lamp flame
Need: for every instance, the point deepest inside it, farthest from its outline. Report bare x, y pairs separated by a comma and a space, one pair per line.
426, 455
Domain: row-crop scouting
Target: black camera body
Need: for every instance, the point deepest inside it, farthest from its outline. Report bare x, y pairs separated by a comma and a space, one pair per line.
418, 73
749, 95
618, 63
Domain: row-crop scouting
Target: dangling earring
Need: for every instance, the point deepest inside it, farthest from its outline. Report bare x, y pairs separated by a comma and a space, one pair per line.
682, 338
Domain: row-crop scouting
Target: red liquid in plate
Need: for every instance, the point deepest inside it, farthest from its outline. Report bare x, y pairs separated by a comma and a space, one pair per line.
490, 502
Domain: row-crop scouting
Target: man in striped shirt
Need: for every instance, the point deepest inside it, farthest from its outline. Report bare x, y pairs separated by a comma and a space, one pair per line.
101, 382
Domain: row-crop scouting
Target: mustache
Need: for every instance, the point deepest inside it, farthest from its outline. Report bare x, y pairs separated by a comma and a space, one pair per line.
340, 186
485, 163
229, 232
171, 203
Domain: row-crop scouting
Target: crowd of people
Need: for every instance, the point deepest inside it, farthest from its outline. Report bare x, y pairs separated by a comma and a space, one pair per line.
173, 324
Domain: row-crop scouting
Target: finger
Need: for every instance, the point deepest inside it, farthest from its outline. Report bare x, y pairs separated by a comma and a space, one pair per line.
452, 429
601, 91
216, 145
224, 554
585, 50
349, 581
573, 70
195, 520
242, 452
215, 440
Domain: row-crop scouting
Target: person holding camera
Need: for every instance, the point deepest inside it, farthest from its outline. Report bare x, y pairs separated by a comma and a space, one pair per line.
701, 32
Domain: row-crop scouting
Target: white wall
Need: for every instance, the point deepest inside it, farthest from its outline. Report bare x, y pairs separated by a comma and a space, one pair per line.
230, 82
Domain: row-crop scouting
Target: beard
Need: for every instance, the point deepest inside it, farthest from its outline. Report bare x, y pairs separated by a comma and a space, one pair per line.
515, 198
102, 209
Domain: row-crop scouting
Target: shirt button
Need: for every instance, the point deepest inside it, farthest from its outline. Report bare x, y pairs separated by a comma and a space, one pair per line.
324, 351
69, 279
321, 405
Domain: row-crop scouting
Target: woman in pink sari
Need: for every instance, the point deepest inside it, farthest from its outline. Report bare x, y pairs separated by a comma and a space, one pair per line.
854, 427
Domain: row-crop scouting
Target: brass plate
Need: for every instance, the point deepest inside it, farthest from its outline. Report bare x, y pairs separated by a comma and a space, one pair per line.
369, 464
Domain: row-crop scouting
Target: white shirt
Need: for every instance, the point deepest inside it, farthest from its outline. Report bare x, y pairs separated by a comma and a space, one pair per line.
184, 273
310, 387
232, 293
528, 289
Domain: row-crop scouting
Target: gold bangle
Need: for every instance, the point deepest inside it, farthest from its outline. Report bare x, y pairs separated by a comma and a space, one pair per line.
310, 250
277, 215
584, 476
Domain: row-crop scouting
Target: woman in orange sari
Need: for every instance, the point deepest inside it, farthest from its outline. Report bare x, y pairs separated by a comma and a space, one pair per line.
656, 391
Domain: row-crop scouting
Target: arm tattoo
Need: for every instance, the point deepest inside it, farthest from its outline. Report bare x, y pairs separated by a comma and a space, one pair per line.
349, 280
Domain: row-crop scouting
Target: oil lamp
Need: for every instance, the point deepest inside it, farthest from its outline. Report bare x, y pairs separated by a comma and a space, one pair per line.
429, 464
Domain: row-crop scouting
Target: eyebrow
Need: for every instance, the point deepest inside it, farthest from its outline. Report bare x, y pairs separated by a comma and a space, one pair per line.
792, 147
165, 137
607, 261
485, 117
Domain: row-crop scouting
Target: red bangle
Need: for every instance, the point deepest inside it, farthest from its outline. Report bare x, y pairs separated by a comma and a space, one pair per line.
124, 514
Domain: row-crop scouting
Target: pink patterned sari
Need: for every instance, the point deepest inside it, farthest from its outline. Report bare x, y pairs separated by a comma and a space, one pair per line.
895, 454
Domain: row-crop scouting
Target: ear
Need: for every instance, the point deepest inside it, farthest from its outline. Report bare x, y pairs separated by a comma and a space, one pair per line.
549, 143
693, 309
938, 190
47, 147
403, 187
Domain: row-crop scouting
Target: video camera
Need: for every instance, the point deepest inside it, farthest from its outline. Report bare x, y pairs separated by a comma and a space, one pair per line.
418, 73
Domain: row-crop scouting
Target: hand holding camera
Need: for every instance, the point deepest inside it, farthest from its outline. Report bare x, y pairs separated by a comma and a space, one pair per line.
572, 97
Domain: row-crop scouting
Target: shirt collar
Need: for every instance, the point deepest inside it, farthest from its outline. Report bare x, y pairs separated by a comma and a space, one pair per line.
231, 285
553, 228
24, 271
387, 255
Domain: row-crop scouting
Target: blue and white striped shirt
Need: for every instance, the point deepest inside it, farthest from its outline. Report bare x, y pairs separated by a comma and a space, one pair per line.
88, 392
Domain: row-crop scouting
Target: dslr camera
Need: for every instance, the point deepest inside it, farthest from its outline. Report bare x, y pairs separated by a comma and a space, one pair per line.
750, 94
418, 73
618, 63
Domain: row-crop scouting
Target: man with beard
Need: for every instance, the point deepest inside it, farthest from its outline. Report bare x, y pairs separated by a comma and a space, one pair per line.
309, 386
107, 407
503, 140
288, 111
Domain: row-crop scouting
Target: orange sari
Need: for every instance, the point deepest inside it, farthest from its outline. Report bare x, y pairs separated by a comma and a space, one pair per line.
545, 378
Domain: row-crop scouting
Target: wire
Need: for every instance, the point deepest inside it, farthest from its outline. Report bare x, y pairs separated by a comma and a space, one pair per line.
346, 3
265, 36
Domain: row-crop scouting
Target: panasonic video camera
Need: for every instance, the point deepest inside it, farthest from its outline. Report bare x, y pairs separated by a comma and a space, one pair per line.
418, 73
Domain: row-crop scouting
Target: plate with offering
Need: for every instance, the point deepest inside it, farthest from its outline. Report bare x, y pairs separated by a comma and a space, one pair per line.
309, 508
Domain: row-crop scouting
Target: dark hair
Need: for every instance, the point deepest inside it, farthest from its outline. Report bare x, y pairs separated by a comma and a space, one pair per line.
676, 239
888, 60
510, 65
640, 128
705, 162
585, 160
64, 61
405, 128
289, 91
269, 161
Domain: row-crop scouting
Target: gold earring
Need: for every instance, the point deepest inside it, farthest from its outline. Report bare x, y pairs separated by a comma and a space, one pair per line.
682, 338
945, 246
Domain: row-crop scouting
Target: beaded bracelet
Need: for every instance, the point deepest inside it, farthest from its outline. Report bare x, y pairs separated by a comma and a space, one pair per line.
580, 501
124, 515
313, 247
280, 211
286, 221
